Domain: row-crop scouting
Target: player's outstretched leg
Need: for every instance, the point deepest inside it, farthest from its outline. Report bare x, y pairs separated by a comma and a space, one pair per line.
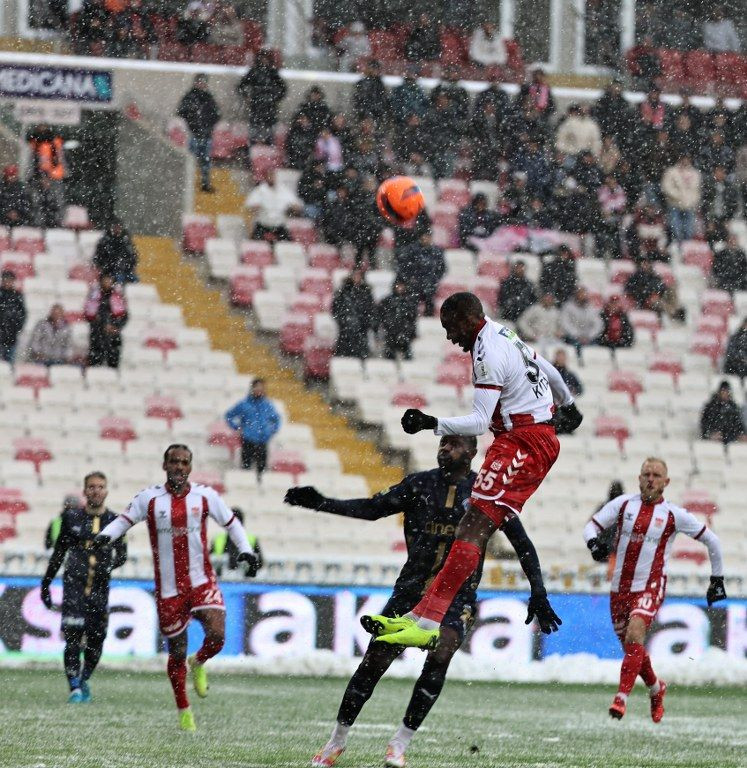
73, 634
375, 663
176, 669
214, 623
657, 688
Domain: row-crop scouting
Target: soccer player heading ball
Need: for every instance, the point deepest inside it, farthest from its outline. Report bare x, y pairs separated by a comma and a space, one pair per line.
514, 392
176, 514
647, 524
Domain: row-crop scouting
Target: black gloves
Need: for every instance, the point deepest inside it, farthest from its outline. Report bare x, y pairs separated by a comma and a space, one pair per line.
415, 420
101, 541
567, 418
46, 595
304, 496
253, 563
716, 591
539, 607
598, 550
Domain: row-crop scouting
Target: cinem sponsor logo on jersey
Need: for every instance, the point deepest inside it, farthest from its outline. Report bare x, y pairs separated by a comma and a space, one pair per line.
58, 83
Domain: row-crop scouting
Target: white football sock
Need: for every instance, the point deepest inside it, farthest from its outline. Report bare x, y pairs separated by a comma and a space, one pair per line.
403, 735
339, 734
655, 688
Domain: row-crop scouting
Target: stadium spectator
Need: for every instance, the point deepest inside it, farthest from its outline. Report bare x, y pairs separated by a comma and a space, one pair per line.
719, 203
115, 254
15, 199
721, 418
614, 115
442, 132
476, 220
459, 100
199, 110
486, 47
193, 25
269, 204
684, 137
424, 41
300, 142
645, 287
678, 29
610, 156
558, 276
47, 206
12, 315
729, 270
538, 92
257, 419
339, 220
714, 152
540, 323
652, 113
612, 208
516, 293
408, 98
354, 312
328, 148
410, 145
370, 96
314, 106
55, 524
91, 29
142, 32
560, 361
225, 26
735, 358
421, 265
51, 339
262, 89
106, 312
617, 330
719, 33
645, 64
531, 159
580, 322
224, 552
353, 46
48, 160
312, 188
740, 163
647, 233
397, 318
681, 187
578, 132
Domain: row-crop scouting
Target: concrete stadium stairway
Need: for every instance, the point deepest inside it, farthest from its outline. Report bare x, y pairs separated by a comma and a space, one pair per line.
179, 282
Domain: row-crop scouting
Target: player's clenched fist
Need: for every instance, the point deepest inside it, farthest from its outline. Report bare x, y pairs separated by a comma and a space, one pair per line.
304, 496
716, 590
252, 563
415, 420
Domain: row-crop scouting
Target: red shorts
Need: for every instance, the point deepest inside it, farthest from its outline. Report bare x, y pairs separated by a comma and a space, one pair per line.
175, 612
625, 605
515, 465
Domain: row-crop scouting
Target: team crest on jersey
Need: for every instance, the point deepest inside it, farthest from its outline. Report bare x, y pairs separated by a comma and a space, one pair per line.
496, 466
195, 511
481, 368
658, 521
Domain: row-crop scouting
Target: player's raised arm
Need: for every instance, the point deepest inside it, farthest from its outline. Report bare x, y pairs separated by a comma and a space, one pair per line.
561, 395
685, 522
381, 505
600, 521
136, 512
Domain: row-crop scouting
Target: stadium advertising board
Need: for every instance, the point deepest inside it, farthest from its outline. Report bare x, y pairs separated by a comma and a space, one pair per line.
92, 86
285, 621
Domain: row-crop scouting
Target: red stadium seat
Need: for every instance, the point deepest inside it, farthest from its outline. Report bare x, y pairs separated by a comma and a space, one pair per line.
244, 283
84, 271
310, 304
454, 48
492, 265
302, 231
487, 291
700, 502
253, 35
664, 271
672, 67
317, 282
219, 433
20, 264
264, 159
12, 501
258, 253
196, 231
224, 142
612, 426
706, 344
666, 363
716, 302
176, 130
117, 428
159, 338
620, 271
406, 396
4, 239
76, 217
697, 253
28, 240
293, 333
385, 45
645, 319
35, 450
730, 72
455, 375
208, 477
7, 525
715, 324
324, 256
700, 70
515, 66
233, 55
163, 407
288, 461
317, 353
32, 375
442, 237
625, 381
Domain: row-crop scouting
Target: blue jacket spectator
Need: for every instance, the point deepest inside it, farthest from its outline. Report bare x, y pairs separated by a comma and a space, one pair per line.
258, 421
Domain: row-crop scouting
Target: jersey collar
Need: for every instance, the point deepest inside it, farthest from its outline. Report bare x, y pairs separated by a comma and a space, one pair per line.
483, 322
187, 489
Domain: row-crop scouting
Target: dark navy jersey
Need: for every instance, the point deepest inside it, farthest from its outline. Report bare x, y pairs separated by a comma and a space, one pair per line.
87, 572
432, 508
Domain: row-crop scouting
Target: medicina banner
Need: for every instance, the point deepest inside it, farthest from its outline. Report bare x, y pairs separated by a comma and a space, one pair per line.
91, 86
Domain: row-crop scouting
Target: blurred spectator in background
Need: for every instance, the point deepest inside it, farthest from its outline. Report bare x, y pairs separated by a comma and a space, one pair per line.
617, 330
538, 91
106, 312
299, 144
269, 204
721, 418
200, 111
370, 96
329, 149
194, 23
408, 98
652, 113
15, 199
486, 47
729, 270
442, 134
645, 65
645, 287
531, 159
614, 115
397, 318
48, 160
457, 95
424, 41
353, 46
225, 26
91, 29
612, 208
421, 265
55, 526
354, 312
52, 338
580, 322
477, 220
719, 203
516, 293
681, 187
141, 29
12, 315
47, 207
315, 108
256, 418
115, 254
558, 276
560, 361
312, 188
262, 89
719, 33
735, 358
715, 151
540, 323
224, 552
578, 132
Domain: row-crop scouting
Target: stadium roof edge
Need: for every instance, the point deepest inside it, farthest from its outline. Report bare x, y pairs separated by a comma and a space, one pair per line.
311, 76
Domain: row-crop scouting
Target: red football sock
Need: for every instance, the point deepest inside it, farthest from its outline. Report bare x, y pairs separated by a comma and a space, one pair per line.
647, 671
177, 672
210, 646
463, 558
631, 666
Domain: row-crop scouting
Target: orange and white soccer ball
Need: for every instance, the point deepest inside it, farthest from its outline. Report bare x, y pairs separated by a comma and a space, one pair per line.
400, 200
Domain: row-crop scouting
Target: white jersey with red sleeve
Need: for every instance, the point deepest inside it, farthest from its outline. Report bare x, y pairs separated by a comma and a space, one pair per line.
646, 532
178, 534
